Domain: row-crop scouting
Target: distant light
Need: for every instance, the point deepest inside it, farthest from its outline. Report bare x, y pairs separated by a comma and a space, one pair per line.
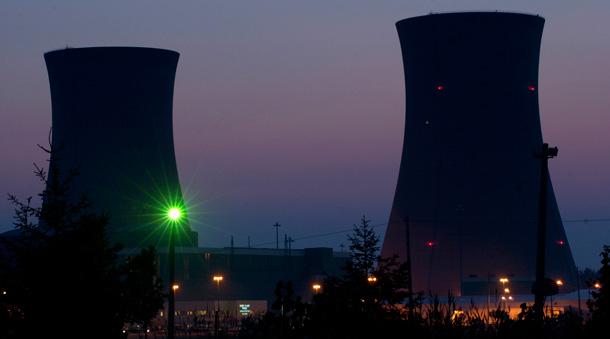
174, 213
560, 242
427, 122
440, 88
559, 282
175, 287
503, 298
506, 290
218, 278
510, 297
430, 244
372, 279
316, 287
504, 280
531, 88
597, 285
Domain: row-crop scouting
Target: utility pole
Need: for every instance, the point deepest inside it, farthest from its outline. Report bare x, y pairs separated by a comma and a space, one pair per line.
578, 289
277, 235
459, 211
409, 276
290, 241
542, 287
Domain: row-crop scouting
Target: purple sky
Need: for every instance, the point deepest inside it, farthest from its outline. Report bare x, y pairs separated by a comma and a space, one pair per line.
294, 111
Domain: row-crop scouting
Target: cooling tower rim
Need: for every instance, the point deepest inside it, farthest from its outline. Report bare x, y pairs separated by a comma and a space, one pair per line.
68, 49
464, 13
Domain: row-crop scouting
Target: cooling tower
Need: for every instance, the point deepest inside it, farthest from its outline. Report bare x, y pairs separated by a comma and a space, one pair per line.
112, 117
469, 180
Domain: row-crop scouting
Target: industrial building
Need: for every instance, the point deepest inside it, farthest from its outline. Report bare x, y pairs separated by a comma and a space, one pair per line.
469, 177
248, 273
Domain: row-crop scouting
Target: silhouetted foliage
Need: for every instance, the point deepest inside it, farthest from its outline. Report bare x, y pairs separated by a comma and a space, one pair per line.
60, 274
142, 289
289, 318
352, 306
599, 325
363, 301
587, 277
363, 251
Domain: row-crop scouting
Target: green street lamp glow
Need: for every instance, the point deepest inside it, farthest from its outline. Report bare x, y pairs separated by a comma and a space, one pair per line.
174, 214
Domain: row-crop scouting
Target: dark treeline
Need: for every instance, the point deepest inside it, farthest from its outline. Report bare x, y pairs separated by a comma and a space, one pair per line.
61, 278
370, 300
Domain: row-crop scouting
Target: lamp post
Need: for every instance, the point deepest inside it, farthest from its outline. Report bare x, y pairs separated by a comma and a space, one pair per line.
217, 279
505, 291
559, 283
174, 215
409, 274
543, 286
316, 287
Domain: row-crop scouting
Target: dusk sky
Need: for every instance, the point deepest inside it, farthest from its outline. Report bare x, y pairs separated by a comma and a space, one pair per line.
293, 111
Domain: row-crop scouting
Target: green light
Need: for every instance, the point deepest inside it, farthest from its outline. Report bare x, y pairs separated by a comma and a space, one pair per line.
174, 213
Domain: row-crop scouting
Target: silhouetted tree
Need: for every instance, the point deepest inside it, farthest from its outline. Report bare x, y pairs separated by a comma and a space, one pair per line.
599, 325
588, 277
362, 301
363, 251
288, 319
142, 289
60, 274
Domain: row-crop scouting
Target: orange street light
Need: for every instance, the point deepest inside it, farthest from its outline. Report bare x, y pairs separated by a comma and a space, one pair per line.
372, 279
217, 279
316, 287
175, 287
506, 290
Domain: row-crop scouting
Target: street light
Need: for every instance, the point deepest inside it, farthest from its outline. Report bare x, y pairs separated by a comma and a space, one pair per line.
558, 283
217, 279
506, 290
316, 287
174, 215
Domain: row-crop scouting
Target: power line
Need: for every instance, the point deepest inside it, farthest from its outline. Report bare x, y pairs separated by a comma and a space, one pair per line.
437, 221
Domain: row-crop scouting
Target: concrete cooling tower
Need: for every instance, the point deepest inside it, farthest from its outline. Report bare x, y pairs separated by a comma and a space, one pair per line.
112, 116
469, 179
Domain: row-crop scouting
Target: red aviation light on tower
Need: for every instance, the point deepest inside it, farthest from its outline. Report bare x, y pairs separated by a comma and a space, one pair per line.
430, 244
440, 87
531, 88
